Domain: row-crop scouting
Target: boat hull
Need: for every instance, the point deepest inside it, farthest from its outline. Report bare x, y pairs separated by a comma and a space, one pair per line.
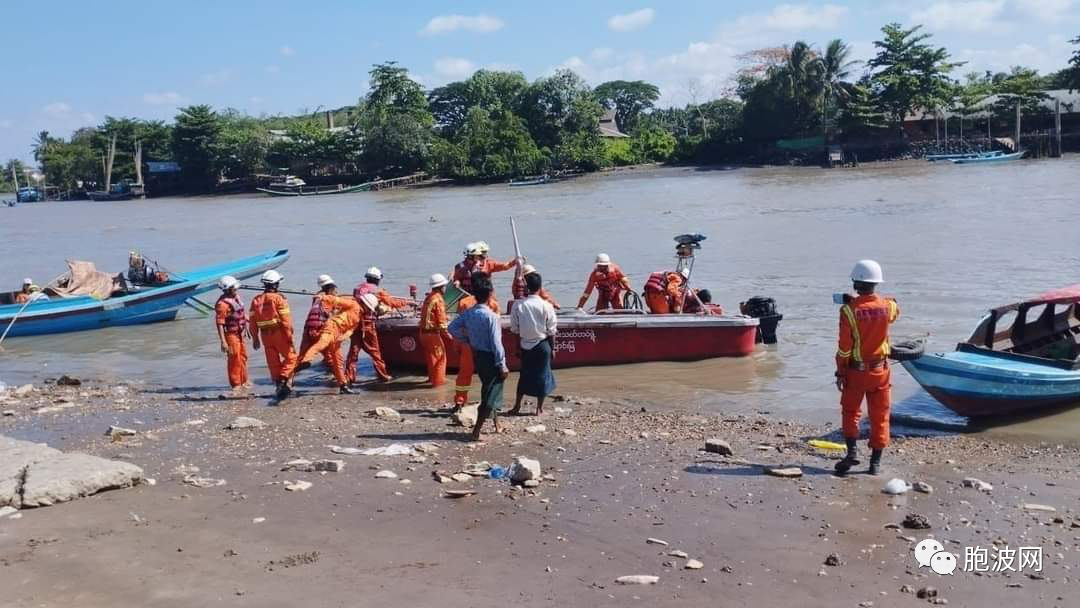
585, 340
999, 158
978, 385
149, 305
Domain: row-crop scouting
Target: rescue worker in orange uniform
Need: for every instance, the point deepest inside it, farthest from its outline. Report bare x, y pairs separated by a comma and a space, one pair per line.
862, 364
317, 315
463, 382
664, 292
610, 283
434, 338
343, 321
367, 338
274, 329
477, 260
232, 328
520, 291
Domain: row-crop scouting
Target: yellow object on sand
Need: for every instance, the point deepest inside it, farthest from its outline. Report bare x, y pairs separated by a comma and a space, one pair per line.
821, 444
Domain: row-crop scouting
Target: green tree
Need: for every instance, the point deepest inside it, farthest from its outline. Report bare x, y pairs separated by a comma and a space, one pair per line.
1072, 73
908, 74
497, 145
651, 143
195, 142
835, 73
395, 122
1021, 86
860, 113
629, 99
559, 107
242, 146
487, 89
7, 181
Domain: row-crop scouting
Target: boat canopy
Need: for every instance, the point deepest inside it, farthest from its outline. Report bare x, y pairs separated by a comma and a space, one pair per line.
1046, 327
84, 279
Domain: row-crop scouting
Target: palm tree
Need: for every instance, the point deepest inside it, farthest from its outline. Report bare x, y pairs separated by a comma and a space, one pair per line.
802, 77
835, 71
41, 145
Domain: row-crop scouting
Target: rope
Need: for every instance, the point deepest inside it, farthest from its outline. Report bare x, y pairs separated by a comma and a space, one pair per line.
13, 319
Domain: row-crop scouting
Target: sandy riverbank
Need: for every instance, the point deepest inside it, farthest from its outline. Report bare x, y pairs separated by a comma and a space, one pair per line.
627, 473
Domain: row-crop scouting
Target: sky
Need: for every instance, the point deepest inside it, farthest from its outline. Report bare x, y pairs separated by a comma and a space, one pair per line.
70, 63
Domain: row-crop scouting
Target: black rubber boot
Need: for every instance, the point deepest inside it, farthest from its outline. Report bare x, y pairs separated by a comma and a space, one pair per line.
283, 389
848, 461
875, 462
345, 390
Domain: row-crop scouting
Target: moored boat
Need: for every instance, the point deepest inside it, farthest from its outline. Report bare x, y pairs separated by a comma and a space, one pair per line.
1022, 357
989, 158
303, 190
959, 155
531, 181
127, 304
600, 339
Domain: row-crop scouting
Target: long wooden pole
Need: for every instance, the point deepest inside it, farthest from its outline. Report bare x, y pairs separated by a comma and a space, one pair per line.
1017, 126
518, 272
109, 166
1057, 125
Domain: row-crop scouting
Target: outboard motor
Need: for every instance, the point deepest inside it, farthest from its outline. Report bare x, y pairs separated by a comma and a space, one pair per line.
764, 310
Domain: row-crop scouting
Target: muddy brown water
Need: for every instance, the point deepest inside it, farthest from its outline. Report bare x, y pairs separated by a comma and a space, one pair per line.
954, 241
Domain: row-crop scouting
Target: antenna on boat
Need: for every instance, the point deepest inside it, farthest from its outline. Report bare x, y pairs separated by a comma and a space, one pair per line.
685, 246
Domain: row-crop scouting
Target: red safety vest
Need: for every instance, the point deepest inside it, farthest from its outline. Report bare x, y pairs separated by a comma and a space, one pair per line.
236, 321
657, 283
463, 274
317, 316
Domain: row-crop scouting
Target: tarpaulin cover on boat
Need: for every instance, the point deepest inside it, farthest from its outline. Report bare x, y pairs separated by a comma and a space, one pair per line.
84, 279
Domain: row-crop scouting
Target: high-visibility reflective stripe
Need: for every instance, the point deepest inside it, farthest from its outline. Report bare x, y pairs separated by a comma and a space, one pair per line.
462, 389
856, 351
270, 323
843, 353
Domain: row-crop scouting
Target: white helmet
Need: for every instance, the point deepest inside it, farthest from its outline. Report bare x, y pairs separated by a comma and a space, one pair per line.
271, 277
482, 247
867, 271
325, 280
373, 273
472, 249
27, 281
437, 280
603, 259
527, 269
685, 272
228, 282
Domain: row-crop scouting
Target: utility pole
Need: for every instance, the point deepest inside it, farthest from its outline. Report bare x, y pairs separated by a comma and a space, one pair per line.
1057, 125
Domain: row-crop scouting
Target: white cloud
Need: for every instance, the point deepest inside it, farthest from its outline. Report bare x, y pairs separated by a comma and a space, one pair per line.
57, 108
1044, 10
164, 98
1050, 55
795, 17
969, 15
480, 24
287, 51
272, 69
454, 67
601, 54
6, 123
216, 77
632, 21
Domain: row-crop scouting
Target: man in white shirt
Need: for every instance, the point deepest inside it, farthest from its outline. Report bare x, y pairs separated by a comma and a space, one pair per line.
533, 320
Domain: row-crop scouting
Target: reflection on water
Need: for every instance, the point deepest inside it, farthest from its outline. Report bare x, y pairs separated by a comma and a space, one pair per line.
954, 241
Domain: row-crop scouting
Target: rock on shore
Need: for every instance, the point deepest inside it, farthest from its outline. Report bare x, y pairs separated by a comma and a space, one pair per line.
35, 475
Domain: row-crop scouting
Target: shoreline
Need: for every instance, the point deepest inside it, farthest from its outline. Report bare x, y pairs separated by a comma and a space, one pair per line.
624, 474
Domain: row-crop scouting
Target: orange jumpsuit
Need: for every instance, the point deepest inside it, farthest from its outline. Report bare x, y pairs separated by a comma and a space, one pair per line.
461, 276
861, 360
367, 338
465, 359
669, 299
229, 314
609, 285
341, 324
273, 321
320, 311
434, 337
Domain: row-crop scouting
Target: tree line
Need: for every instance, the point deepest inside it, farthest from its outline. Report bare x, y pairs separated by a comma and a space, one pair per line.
497, 125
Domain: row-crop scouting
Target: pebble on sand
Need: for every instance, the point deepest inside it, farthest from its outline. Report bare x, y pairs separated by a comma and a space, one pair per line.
978, 484
656, 541
297, 486
466, 416
923, 487
386, 413
786, 472
718, 446
245, 422
524, 469
914, 521
693, 564
536, 428
679, 554
119, 431
1030, 506
895, 486
386, 474
638, 579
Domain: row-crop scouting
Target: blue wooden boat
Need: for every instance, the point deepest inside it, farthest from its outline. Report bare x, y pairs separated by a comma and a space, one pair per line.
1021, 358
933, 158
989, 158
531, 181
134, 306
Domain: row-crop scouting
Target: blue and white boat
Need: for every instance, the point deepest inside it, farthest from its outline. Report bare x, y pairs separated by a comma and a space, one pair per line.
996, 157
132, 305
1021, 358
933, 158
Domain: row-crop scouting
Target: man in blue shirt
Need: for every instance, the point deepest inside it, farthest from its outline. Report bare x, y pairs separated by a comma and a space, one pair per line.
479, 327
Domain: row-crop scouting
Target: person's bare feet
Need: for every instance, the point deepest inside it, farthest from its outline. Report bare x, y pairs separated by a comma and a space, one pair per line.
540, 411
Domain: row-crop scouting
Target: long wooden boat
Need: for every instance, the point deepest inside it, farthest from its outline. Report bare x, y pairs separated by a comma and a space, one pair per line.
316, 190
531, 181
134, 306
933, 158
989, 158
1022, 357
604, 339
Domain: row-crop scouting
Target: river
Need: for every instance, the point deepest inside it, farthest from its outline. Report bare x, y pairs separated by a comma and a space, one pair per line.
954, 241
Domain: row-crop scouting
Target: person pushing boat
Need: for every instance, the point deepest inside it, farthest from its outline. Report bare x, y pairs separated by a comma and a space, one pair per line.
610, 283
477, 260
366, 338
274, 329
862, 364
664, 291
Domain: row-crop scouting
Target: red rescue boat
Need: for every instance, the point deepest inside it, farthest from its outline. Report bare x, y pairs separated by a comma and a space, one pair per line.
605, 339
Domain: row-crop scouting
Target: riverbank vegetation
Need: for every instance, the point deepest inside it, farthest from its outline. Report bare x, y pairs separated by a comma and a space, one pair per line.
497, 125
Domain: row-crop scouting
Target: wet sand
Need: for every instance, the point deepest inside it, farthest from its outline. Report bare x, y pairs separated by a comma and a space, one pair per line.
634, 470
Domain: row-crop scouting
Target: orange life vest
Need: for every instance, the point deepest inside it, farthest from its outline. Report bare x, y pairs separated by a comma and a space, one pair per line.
236, 321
